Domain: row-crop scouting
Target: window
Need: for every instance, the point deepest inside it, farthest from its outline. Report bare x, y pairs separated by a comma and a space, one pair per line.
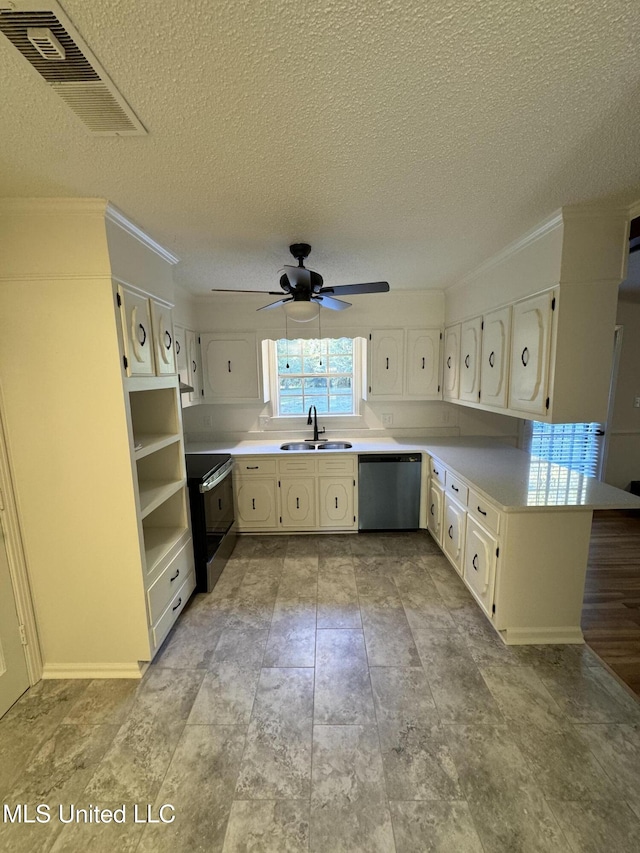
317, 372
575, 446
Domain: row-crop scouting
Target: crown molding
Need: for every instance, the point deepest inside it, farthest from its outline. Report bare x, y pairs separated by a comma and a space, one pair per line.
540, 230
118, 218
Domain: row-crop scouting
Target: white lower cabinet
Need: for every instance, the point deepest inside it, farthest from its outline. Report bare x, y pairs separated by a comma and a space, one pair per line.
297, 503
256, 503
296, 492
480, 558
336, 503
453, 532
434, 510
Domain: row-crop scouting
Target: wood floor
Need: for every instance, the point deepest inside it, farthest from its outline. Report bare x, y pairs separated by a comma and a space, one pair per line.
611, 609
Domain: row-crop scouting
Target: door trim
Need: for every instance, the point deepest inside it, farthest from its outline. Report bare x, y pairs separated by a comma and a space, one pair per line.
17, 560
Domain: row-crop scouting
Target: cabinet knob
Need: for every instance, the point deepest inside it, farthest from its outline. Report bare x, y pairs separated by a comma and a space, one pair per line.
253, 503
142, 338
336, 503
455, 488
525, 356
466, 360
423, 362
229, 366
179, 602
194, 366
387, 364
474, 562
168, 340
178, 347
297, 503
449, 362
481, 511
432, 510
171, 580
450, 531
492, 359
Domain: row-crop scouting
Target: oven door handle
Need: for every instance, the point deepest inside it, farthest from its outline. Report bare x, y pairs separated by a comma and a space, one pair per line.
217, 478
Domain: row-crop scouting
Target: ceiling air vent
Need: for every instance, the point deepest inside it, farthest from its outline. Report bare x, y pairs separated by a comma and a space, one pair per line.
49, 42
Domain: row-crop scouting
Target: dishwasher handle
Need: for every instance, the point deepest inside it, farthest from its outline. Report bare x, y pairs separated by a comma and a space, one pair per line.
389, 457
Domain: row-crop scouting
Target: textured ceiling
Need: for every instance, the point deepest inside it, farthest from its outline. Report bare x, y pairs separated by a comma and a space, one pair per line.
404, 140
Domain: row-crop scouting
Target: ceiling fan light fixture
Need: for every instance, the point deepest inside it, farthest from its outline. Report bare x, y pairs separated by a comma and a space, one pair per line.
301, 311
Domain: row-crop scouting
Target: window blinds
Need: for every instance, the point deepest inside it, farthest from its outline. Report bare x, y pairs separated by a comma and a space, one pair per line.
575, 446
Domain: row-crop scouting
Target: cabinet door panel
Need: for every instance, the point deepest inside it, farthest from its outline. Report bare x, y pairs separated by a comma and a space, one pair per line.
434, 511
256, 503
470, 360
336, 502
453, 532
182, 361
138, 337
495, 348
230, 367
451, 379
163, 339
530, 354
423, 363
480, 564
194, 367
386, 362
297, 504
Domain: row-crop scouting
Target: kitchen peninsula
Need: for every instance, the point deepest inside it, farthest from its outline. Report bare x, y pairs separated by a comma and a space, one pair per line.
516, 528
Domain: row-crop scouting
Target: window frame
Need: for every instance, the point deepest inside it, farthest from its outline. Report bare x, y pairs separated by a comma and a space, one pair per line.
341, 420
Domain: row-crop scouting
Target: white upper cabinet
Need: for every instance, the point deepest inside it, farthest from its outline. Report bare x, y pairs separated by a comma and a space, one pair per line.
494, 369
230, 367
451, 377
530, 350
137, 333
194, 361
386, 363
165, 353
470, 347
423, 364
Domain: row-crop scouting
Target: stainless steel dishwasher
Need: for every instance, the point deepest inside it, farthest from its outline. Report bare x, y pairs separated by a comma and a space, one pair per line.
389, 491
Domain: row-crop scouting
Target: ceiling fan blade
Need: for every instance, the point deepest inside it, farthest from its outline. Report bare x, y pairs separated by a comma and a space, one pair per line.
368, 287
275, 304
298, 276
232, 290
328, 302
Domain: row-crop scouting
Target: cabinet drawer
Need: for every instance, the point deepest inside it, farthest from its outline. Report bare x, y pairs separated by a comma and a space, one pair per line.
249, 466
457, 488
297, 465
169, 581
337, 465
483, 512
437, 470
175, 608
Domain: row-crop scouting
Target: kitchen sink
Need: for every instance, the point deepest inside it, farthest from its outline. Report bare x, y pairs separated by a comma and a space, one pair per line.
335, 445
297, 445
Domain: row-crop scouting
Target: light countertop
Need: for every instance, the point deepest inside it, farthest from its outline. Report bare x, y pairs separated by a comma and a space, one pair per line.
508, 477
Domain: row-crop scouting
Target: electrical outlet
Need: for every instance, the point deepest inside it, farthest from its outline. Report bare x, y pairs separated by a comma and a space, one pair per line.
208, 422
264, 421
387, 419
636, 402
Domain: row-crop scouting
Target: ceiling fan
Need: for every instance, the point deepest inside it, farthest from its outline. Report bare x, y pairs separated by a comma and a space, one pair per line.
304, 290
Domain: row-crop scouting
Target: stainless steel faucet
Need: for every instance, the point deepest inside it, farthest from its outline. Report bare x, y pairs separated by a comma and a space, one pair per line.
314, 421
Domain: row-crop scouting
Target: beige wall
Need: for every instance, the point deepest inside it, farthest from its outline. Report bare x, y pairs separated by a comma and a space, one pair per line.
623, 459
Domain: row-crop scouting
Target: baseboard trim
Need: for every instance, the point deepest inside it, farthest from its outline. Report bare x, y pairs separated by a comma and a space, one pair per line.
94, 670
542, 636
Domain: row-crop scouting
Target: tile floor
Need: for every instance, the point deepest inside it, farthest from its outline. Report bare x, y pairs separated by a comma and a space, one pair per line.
341, 694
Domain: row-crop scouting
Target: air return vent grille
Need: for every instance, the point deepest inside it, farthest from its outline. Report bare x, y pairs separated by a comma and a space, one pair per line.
78, 78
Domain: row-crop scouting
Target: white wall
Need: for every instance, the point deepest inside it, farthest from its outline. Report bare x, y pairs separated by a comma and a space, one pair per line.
623, 460
402, 309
